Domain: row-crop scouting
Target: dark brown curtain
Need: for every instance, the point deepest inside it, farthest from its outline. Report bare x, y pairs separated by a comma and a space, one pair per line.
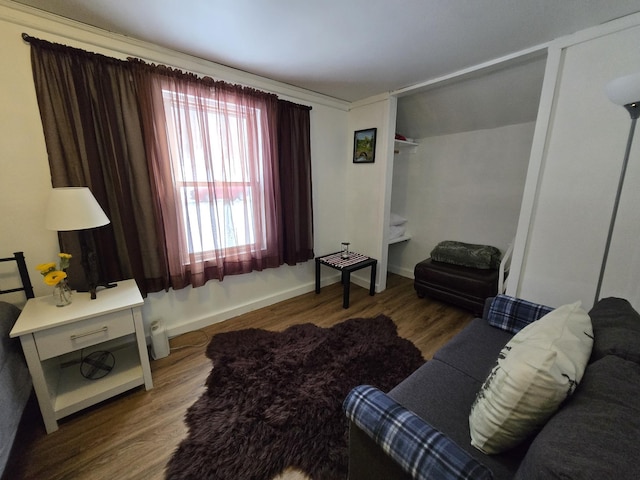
89, 111
294, 159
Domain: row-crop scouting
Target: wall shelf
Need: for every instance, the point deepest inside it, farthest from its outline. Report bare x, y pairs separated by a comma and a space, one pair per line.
403, 238
403, 145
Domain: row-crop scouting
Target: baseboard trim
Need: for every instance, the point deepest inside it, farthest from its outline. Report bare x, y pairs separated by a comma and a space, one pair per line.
402, 271
198, 323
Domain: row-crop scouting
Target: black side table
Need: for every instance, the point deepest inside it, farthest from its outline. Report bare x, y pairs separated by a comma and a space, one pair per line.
356, 261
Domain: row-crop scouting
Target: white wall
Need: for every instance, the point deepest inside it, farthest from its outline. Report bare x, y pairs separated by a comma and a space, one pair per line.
580, 158
465, 186
367, 188
25, 180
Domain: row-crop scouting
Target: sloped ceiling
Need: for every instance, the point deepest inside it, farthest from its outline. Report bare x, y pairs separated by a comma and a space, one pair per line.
347, 49
505, 96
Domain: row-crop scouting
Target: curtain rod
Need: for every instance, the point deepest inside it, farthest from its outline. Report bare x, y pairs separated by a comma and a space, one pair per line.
29, 39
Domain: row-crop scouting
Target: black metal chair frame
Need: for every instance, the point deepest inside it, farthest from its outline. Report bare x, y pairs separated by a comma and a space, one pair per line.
18, 257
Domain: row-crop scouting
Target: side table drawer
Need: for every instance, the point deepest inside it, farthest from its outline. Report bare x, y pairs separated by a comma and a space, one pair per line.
74, 336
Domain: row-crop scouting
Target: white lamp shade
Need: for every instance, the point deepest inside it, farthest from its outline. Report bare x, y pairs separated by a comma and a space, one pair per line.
73, 208
624, 90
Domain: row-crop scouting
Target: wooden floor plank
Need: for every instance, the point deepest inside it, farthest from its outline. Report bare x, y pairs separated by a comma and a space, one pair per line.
134, 435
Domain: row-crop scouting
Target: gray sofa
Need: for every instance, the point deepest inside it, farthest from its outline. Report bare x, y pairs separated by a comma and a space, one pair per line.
594, 434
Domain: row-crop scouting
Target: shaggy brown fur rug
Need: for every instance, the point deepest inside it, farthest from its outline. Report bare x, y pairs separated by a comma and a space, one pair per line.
274, 399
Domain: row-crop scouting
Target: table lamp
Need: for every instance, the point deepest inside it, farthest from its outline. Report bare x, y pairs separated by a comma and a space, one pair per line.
75, 208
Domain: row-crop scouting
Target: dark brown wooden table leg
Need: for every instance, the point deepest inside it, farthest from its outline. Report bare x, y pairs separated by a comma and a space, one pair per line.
346, 286
372, 285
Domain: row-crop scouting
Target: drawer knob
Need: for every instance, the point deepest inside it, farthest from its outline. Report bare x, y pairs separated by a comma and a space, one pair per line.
86, 334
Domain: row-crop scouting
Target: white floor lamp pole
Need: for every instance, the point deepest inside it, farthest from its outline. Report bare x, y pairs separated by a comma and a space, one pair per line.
623, 91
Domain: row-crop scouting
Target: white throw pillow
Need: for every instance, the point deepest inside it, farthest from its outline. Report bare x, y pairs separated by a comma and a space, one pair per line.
536, 371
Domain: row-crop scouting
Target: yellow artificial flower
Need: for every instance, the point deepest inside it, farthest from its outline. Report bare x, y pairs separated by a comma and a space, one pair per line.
53, 278
46, 267
64, 260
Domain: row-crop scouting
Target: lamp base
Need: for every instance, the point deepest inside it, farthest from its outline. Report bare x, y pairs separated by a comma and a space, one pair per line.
93, 288
90, 265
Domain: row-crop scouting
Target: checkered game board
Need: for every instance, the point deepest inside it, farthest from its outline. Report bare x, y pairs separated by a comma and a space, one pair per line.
335, 260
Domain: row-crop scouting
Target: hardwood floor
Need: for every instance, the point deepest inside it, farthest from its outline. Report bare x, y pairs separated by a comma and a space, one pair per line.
134, 435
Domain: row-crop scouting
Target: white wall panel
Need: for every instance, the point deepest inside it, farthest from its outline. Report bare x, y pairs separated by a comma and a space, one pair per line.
367, 189
580, 169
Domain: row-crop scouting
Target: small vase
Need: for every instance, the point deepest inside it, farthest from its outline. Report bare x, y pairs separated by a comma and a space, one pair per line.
62, 294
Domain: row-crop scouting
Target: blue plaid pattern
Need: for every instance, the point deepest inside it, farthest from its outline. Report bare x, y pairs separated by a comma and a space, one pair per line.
513, 314
419, 449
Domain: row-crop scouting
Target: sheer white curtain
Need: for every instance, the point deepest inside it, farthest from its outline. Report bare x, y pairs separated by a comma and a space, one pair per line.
219, 191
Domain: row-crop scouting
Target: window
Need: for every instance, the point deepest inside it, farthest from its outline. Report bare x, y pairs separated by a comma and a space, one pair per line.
217, 163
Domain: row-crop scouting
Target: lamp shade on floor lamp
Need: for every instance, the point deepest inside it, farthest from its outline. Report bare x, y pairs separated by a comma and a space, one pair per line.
624, 90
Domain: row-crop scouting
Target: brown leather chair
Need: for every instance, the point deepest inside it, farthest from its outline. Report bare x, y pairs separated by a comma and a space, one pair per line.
464, 287
445, 278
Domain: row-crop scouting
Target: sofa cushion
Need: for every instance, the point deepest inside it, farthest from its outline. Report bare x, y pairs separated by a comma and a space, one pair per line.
441, 395
594, 436
513, 314
536, 371
475, 349
616, 329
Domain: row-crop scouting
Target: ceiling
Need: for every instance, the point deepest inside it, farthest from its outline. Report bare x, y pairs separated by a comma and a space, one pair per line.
347, 49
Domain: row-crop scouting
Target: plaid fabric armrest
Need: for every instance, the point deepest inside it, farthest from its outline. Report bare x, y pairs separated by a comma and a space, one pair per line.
418, 448
513, 314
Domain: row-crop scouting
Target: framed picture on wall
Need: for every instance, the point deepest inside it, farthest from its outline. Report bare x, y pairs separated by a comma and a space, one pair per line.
364, 146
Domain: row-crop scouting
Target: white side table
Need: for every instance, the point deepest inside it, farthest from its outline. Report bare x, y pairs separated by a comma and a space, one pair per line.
55, 339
